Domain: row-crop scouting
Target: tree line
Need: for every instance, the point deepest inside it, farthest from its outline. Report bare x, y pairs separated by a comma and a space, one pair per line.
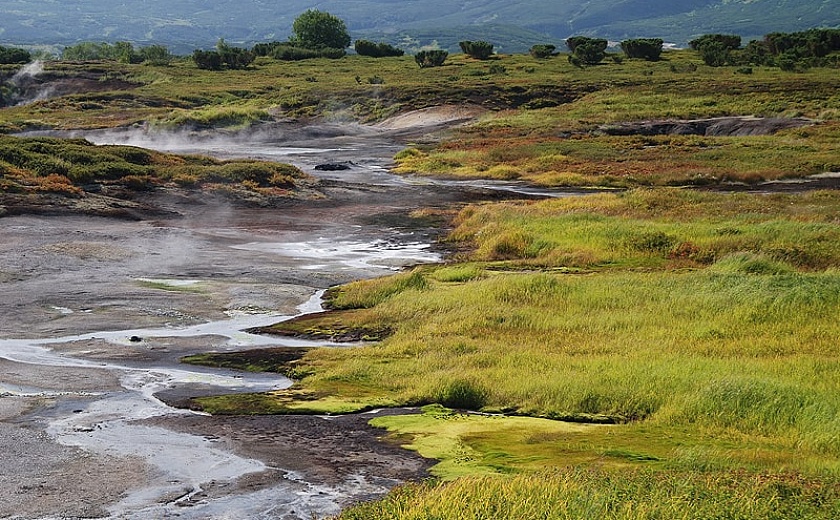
788, 51
318, 34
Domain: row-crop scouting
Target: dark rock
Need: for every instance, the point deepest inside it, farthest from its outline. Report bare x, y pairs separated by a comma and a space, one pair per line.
332, 167
713, 127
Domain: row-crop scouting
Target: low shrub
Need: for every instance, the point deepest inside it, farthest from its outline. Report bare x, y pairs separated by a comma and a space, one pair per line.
543, 51
376, 50
479, 50
432, 58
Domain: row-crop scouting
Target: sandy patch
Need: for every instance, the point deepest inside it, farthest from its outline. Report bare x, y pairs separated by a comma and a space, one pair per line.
433, 116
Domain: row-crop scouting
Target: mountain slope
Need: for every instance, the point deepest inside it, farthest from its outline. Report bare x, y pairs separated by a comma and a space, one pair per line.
191, 23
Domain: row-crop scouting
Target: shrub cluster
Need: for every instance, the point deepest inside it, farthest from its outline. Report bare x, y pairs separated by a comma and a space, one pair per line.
543, 51
224, 56
123, 52
13, 55
789, 51
289, 52
432, 58
479, 50
376, 50
649, 49
586, 51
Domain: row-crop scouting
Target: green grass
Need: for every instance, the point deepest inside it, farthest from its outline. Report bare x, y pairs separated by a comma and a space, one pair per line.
594, 493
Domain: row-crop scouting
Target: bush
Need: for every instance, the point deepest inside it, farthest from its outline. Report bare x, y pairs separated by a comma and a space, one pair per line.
224, 56
716, 50
756, 53
573, 41
266, 49
85, 51
234, 57
715, 54
463, 395
479, 50
728, 41
811, 43
649, 49
207, 60
586, 51
433, 58
543, 51
376, 50
12, 55
155, 55
287, 52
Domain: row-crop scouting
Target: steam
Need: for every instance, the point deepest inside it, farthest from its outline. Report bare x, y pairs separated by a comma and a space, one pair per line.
24, 87
29, 71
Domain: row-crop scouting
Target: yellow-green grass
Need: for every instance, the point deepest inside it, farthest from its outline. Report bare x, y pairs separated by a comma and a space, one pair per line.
657, 228
575, 494
622, 161
357, 87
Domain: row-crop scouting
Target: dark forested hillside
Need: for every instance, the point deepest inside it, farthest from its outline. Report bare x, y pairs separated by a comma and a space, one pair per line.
409, 23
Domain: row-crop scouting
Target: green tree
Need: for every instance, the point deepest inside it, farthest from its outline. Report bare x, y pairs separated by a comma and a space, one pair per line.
316, 29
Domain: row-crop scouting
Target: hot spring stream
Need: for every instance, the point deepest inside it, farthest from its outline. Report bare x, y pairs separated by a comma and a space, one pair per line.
87, 300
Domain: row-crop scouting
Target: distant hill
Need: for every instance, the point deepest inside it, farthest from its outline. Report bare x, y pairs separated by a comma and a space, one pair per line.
512, 25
